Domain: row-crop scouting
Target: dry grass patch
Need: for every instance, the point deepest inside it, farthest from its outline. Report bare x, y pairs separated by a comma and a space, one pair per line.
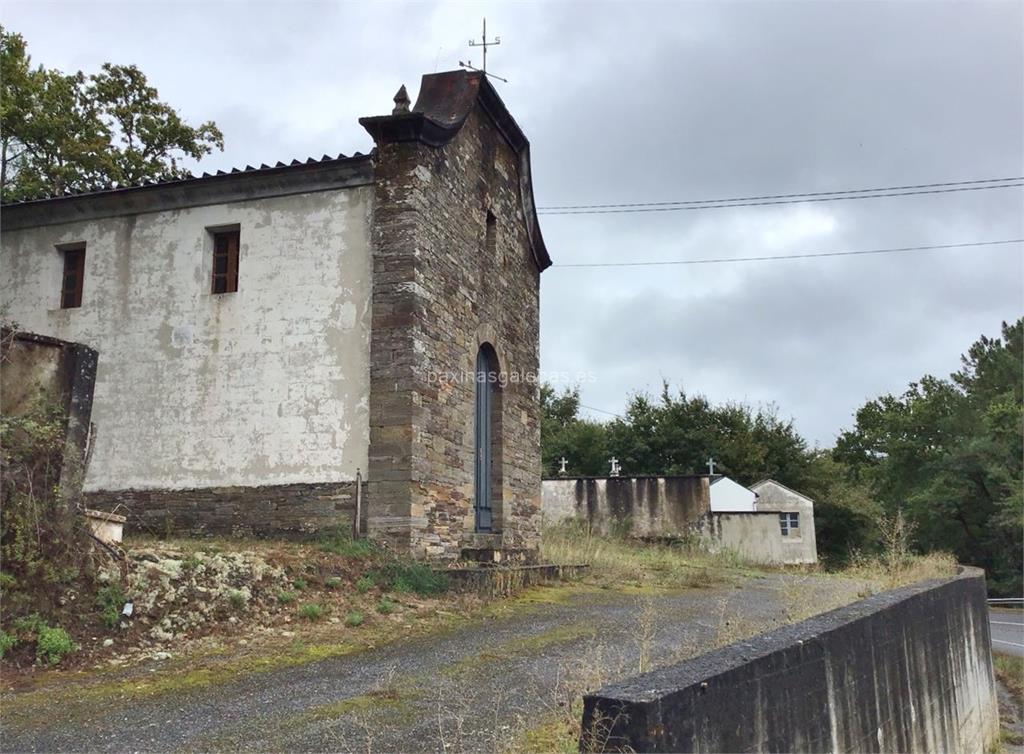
619, 561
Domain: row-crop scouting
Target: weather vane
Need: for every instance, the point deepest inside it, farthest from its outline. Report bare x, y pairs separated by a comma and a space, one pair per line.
484, 43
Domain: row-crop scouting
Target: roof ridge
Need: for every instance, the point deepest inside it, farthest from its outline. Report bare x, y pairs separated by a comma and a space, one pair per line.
111, 187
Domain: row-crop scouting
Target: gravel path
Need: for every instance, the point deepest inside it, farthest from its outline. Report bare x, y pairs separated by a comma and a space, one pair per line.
474, 688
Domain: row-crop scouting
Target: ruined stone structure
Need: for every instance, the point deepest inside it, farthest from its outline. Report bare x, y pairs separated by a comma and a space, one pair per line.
271, 335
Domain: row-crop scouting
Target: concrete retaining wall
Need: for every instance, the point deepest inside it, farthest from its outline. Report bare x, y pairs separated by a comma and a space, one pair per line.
908, 670
649, 506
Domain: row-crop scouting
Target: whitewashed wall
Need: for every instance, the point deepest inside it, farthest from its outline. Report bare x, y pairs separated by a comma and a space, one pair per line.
775, 497
727, 495
265, 386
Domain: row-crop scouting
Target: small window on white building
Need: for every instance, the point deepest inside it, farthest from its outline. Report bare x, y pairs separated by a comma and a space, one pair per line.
789, 522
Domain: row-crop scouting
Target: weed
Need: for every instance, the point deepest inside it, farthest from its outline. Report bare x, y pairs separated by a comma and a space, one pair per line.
110, 600
414, 578
52, 644
286, 598
300, 583
237, 598
312, 611
386, 606
191, 563
7, 642
340, 542
1010, 671
332, 582
354, 618
365, 584
7, 582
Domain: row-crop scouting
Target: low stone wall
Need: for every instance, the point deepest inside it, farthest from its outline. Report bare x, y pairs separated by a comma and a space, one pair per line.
295, 509
505, 580
648, 507
908, 670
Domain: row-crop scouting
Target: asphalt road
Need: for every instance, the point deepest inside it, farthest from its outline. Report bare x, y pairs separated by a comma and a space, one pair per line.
1007, 631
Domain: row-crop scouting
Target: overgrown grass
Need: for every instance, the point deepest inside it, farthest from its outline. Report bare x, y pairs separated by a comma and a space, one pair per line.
312, 611
910, 569
410, 578
619, 560
340, 542
1010, 671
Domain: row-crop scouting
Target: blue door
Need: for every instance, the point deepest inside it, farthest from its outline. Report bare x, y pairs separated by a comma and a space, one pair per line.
485, 385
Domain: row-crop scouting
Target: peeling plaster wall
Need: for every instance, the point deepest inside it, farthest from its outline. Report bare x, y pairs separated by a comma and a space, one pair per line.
651, 507
266, 386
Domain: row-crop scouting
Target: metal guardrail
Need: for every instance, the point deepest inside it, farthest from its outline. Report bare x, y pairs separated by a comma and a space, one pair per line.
1010, 601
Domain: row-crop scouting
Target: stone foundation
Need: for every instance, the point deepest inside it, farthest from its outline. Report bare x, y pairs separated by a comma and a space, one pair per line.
283, 510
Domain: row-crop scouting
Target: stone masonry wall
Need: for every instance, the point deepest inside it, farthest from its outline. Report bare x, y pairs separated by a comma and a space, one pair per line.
438, 293
292, 509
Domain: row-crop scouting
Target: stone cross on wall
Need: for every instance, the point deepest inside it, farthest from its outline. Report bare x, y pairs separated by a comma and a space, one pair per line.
615, 466
561, 469
711, 466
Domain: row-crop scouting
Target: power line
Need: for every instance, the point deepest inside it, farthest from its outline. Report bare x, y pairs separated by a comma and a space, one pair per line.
790, 196
812, 255
690, 206
599, 410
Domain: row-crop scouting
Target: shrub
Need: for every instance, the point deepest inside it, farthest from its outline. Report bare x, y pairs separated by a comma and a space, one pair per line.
354, 618
385, 606
332, 582
52, 645
340, 542
237, 599
110, 600
286, 598
191, 563
365, 584
6, 642
45, 545
416, 578
312, 611
300, 583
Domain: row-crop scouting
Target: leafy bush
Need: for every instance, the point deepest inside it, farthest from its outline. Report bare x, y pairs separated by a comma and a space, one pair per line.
340, 542
237, 599
52, 645
312, 611
110, 600
286, 598
365, 584
332, 582
354, 618
45, 545
414, 578
385, 606
6, 642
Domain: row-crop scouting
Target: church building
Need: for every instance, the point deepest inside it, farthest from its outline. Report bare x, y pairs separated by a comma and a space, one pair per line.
269, 336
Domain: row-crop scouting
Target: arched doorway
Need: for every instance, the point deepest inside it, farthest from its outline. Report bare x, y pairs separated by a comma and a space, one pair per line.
487, 442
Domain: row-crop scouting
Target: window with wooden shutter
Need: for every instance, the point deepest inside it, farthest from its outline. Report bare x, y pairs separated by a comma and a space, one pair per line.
74, 274
225, 261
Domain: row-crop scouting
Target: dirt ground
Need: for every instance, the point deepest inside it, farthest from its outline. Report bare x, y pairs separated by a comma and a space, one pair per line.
487, 681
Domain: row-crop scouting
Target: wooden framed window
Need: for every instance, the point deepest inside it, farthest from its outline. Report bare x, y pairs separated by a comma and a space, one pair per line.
74, 274
225, 261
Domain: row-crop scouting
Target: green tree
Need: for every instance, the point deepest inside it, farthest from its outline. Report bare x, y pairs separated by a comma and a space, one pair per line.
948, 453
564, 434
76, 133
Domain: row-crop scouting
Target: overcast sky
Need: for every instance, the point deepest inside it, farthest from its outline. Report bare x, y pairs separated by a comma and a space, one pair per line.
634, 102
